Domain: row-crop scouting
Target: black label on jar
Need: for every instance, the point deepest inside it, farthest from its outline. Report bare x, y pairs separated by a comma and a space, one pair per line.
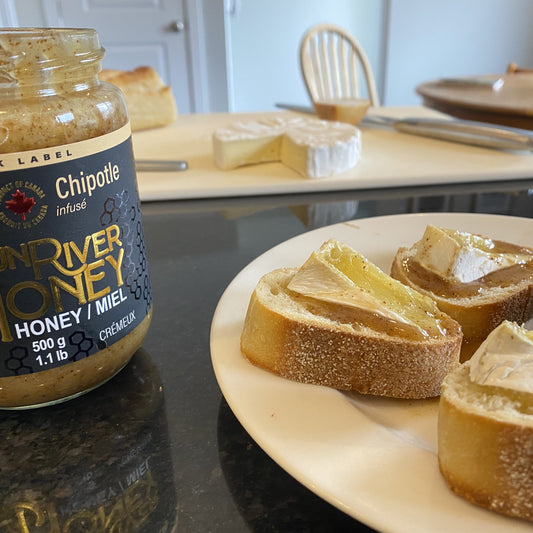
73, 269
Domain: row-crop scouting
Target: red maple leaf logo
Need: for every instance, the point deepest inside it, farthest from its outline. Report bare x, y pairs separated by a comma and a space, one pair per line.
20, 205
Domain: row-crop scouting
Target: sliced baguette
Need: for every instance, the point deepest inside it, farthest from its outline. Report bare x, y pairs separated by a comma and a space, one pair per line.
312, 341
478, 314
485, 444
150, 102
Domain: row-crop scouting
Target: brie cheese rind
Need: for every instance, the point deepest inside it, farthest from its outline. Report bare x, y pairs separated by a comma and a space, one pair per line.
337, 274
314, 148
319, 148
460, 256
505, 359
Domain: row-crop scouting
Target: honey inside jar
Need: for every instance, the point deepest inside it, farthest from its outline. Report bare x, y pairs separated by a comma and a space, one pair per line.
50, 91
74, 305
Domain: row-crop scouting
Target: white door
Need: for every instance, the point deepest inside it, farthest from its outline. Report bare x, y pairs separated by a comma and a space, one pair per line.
139, 32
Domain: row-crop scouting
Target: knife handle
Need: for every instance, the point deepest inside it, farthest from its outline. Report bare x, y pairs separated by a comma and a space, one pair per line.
145, 165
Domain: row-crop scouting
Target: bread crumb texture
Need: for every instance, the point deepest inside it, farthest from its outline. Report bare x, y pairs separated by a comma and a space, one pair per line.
485, 439
295, 337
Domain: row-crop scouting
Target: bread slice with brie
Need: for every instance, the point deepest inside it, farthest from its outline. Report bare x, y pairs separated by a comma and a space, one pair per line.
341, 322
476, 280
485, 424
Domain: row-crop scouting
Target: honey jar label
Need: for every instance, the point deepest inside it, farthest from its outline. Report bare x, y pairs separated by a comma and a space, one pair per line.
73, 269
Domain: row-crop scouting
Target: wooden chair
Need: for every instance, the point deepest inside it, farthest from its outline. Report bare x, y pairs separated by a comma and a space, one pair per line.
331, 62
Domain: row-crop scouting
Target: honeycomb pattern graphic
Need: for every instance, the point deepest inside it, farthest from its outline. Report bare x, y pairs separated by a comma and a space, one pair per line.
15, 361
110, 208
82, 343
118, 210
125, 211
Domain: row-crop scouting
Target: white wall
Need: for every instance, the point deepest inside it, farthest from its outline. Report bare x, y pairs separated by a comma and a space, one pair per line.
407, 41
264, 38
428, 40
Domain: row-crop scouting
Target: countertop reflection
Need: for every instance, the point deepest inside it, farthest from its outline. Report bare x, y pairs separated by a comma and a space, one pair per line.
100, 462
273, 501
157, 449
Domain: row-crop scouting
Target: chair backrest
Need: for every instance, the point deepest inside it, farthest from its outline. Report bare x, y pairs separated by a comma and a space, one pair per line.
331, 61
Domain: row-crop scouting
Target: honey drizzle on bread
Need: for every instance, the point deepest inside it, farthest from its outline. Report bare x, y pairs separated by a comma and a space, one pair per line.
481, 305
305, 344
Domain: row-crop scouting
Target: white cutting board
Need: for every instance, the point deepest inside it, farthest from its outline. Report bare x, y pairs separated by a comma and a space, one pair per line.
389, 159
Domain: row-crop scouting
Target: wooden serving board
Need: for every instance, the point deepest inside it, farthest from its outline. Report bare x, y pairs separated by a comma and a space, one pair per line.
509, 105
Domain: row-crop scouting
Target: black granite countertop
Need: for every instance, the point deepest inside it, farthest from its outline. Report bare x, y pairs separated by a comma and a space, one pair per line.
157, 449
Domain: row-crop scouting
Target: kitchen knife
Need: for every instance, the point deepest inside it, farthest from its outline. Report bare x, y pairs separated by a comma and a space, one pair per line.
146, 165
461, 131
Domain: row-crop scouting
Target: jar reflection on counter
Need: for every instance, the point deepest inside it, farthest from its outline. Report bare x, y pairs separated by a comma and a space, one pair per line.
75, 296
97, 464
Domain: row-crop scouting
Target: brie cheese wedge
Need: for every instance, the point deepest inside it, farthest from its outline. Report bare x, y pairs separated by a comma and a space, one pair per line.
505, 359
314, 148
460, 256
246, 143
337, 274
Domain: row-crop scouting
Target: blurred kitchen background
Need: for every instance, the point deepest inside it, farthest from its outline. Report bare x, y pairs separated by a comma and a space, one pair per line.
242, 55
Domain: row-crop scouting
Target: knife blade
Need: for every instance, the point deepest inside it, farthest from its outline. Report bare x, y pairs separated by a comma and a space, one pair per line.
461, 131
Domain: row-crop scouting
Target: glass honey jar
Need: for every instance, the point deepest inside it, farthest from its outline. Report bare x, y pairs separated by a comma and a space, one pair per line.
75, 297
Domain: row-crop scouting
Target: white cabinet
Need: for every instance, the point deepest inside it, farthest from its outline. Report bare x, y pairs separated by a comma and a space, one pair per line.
242, 55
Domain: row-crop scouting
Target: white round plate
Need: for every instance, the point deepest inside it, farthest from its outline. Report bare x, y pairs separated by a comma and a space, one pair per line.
373, 458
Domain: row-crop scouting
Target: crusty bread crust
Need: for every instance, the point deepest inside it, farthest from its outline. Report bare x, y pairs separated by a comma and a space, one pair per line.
477, 315
150, 102
282, 336
140, 79
485, 446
